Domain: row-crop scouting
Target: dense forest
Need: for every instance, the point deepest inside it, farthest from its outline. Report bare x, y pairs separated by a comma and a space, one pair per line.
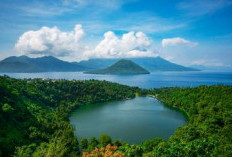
208, 131
34, 119
34, 113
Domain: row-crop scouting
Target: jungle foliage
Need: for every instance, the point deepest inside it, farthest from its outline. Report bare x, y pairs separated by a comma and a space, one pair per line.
34, 113
208, 130
34, 119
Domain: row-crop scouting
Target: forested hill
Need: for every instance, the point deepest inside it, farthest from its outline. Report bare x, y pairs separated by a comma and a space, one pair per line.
34, 113
122, 67
34, 119
208, 132
150, 63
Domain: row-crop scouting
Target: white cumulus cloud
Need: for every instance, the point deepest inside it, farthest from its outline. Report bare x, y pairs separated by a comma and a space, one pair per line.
177, 41
69, 46
131, 44
51, 41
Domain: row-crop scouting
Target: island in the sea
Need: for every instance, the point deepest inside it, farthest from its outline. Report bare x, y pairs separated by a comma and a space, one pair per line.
122, 67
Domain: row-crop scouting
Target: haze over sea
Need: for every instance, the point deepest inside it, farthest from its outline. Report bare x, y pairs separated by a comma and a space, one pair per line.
153, 80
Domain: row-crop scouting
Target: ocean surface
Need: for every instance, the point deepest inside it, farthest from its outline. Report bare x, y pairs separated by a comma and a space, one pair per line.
153, 80
132, 120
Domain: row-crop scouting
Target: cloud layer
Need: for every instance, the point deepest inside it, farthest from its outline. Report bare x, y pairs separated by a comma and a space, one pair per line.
177, 41
202, 7
51, 41
69, 46
129, 45
209, 63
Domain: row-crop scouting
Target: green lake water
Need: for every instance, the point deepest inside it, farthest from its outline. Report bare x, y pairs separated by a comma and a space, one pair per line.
132, 120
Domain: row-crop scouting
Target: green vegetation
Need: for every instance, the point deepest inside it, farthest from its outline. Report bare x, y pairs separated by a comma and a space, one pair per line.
34, 119
122, 67
34, 113
208, 131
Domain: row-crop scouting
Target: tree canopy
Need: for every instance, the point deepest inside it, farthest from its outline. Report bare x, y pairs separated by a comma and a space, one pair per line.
34, 119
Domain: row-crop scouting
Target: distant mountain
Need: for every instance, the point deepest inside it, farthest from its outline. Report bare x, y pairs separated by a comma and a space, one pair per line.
122, 67
52, 64
149, 63
42, 64
98, 63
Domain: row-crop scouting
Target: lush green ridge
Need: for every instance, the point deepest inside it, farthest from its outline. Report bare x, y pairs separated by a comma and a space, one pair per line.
208, 132
122, 67
34, 113
34, 116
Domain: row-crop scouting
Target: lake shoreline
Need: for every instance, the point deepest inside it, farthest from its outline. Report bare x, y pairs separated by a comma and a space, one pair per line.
101, 112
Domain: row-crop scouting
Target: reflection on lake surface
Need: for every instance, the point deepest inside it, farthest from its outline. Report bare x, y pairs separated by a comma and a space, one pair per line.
130, 120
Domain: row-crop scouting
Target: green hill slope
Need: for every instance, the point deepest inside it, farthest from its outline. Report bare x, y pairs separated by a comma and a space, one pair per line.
122, 67
152, 64
34, 118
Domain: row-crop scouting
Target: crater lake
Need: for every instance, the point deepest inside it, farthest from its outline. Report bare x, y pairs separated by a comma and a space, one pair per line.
132, 120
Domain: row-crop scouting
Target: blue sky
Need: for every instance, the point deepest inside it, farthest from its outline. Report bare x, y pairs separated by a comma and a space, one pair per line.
197, 32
